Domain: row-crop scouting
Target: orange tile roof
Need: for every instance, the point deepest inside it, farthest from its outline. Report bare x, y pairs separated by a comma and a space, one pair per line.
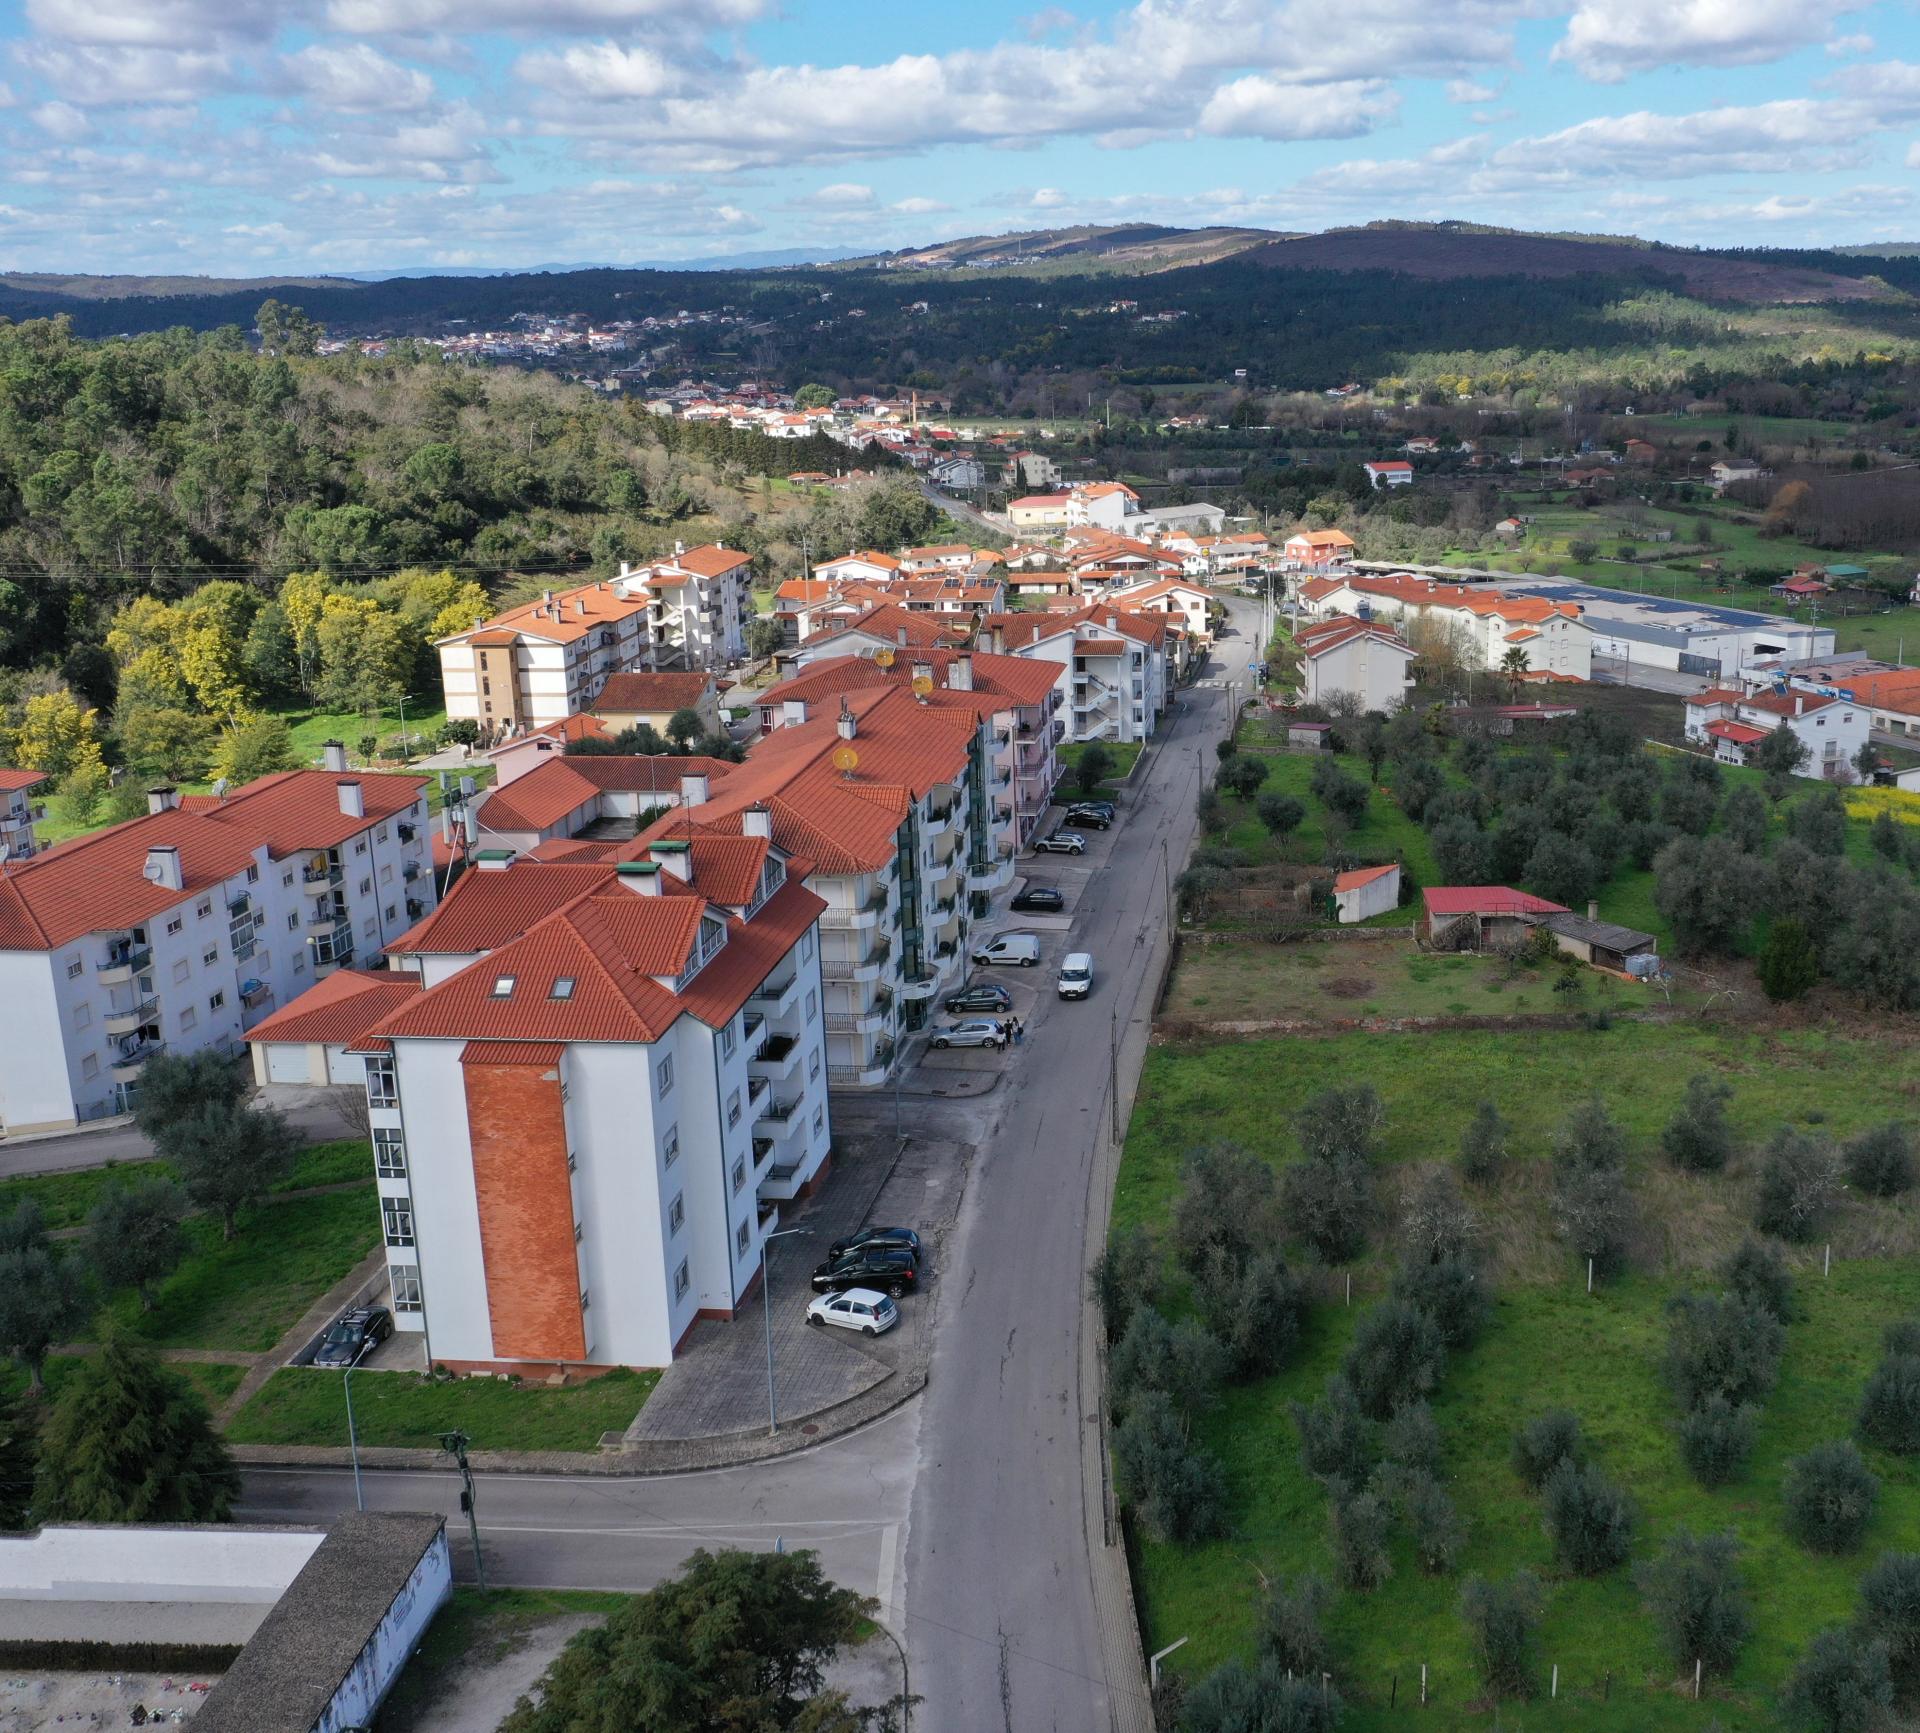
888, 621
1898, 690
1013, 679
710, 561
867, 556
1100, 647
569, 615
1332, 635
339, 1010
1424, 592
547, 793
300, 809
1788, 703
652, 692
1352, 881
19, 781
488, 906
1037, 500
1323, 538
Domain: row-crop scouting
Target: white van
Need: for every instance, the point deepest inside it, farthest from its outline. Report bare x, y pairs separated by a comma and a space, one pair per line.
1076, 975
1013, 948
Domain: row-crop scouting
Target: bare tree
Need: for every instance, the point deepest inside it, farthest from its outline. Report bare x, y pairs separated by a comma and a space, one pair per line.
353, 1108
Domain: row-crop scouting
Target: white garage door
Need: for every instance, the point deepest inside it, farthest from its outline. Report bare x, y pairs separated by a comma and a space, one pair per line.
287, 1063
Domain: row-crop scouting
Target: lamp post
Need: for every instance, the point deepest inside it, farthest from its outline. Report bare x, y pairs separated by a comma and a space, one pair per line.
353, 1437
403, 728
766, 1315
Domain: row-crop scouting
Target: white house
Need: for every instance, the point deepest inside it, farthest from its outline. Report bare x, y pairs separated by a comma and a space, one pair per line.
1186, 602
1362, 657
1832, 729
1394, 472
20, 812
1104, 505
1364, 892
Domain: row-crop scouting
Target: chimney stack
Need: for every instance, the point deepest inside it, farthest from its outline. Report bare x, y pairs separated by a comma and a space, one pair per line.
547, 597
674, 857
679, 548
998, 639
693, 789
1593, 910
333, 754
900, 636
847, 725
640, 876
353, 799
580, 605
757, 821
960, 672
162, 798
163, 867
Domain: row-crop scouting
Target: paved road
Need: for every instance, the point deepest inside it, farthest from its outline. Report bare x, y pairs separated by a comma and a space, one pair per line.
316, 1123
961, 512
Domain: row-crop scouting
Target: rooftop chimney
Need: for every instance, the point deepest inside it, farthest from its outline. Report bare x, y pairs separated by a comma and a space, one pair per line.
900, 636
960, 673
679, 548
163, 867
1593, 911
547, 597
353, 799
642, 876
580, 605
998, 639
1113, 622
847, 725
793, 711
674, 857
693, 789
162, 798
757, 821
334, 755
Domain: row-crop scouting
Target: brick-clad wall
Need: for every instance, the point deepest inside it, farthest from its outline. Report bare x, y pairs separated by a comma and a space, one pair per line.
518, 1134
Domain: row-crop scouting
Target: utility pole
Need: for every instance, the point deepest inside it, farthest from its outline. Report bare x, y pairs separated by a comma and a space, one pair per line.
1113, 1068
455, 1444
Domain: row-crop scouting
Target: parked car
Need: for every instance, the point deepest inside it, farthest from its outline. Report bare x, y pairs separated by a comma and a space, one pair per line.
1020, 948
859, 1309
354, 1333
1105, 808
1038, 899
1076, 975
1086, 818
890, 1239
974, 1032
980, 996
895, 1271
1061, 842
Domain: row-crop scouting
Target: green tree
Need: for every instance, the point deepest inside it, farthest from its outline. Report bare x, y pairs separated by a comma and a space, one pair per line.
1699, 1138
738, 1640
1503, 1620
1280, 813
43, 1300
158, 740
814, 397
229, 1158
684, 727
57, 734
1483, 1145
1842, 1685
365, 656
1178, 1491
1743, 818
1830, 1495
1890, 1612
765, 636
1092, 768
1693, 1593
127, 1440
1241, 775
254, 746
136, 1236
1818, 821
1880, 1160
83, 791
1788, 964
1779, 758
1588, 1519
1704, 887
1800, 1179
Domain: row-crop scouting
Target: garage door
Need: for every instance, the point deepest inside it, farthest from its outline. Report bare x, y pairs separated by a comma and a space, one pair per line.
287, 1063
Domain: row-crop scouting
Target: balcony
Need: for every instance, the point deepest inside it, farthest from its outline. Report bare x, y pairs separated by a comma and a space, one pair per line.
331, 874
135, 1017
868, 1073
407, 832
780, 1113
776, 1059
866, 915
240, 905
775, 998
410, 871
754, 1034
917, 987
123, 961
322, 915
868, 968
763, 1148
876, 1019
988, 877
254, 994
415, 908
133, 1059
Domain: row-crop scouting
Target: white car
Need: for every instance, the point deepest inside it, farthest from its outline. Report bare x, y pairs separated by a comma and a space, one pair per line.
973, 1032
1062, 842
1076, 975
859, 1309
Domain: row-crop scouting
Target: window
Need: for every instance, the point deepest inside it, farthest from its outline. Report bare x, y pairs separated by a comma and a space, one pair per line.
813, 1064
740, 1237
253, 876
75, 968
739, 1172
174, 925
383, 1088
389, 1154
562, 987
90, 1065
361, 846
733, 1110
819, 1120
806, 945
189, 1019
293, 921
406, 1286
681, 1281
286, 881
210, 957
398, 1212
299, 965
676, 1214
663, 1078
380, 835
503, 986
726, 1029
586, 1299
203, 908
579, 1232
82, 1016
369, 928
386, 873
813, 1005
181, 970
217, 1001
389, 911
670, 1146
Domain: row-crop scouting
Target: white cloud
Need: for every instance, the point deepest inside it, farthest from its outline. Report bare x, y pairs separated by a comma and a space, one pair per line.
917, 206
602, 72
160, 23
62, 120
355, 78
1842, 46
1466, 92
1796, 135
842, 195
1261, 107
382, 17
1606, 40
96, 76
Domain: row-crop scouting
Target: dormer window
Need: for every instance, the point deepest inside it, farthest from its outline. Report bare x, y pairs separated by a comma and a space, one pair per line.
503, 986
562, 988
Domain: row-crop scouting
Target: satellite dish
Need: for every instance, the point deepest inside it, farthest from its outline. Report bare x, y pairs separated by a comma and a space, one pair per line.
220, 787
883, 657
845, 759
922, 685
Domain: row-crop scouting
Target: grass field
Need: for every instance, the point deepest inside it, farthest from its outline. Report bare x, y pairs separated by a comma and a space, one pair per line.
299, 1405
1123, 753
215, 1380
1549, 1344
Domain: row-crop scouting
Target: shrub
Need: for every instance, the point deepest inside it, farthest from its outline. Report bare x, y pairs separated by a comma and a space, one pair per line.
1483, 1146
1698, 1138
1717, 1346
1334, 1440
1438, 1533
1435, 1220
1502, 1619
1280, 813
1841, 1685
1228, 1197
1241, 775
1546, 1441
1589, 1140
1788, 964
1291, 1633
1716, 1439
1397, 1355
1179, 1361
1255, 1309
1451, 1292
1346, 797
1211, 810
1341, 1124
1830, 1496
1236, 1698
1178, 1492
1594, 1211
1693, 1595
1124, 1277
1880, 1161
1890, 1405
1413, 1437
1756, 1275
1587, 1518
1799, 1180
1890, 1610
1359, 1527
1328, 1204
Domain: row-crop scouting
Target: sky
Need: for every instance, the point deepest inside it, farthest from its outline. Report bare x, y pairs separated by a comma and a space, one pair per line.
242, 137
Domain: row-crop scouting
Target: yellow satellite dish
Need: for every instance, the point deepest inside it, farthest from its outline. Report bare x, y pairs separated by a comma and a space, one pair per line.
845, 759
884, 658
922, 685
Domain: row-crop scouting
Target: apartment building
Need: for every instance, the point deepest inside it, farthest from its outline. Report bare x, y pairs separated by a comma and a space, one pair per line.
1113, 669
1486, 625
183, 929
20, 813
1361, 658
1101, 505
586, 1117
699, 604
602, 797
886, 626
1187, 603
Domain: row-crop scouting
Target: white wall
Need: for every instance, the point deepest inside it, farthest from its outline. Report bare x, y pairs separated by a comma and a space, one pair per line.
128, 1562
387, 1651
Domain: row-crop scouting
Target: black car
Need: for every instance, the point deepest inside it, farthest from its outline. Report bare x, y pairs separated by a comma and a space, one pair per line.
982, 996
1080, 818
876, 1239
1105, 808
891, 1270
1040, 898
354, 1334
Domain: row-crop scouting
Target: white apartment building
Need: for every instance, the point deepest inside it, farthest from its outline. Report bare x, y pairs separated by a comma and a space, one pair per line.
585, 1118
1113, 666
183, 929
1104, 505
701, 601
20, 812
1364, 658
1833, 729
1551, 637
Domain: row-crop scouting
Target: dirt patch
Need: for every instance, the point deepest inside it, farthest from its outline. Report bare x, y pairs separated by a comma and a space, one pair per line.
1347, 987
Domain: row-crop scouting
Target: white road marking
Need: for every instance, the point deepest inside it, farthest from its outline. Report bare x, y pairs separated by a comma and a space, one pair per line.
889, 1557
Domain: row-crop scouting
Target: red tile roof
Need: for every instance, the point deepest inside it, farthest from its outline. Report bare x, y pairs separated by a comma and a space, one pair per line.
297, 810
653, 692
1017, 679
548, 792
1486, 900
1788, 703
1737, 733
488, 906
569, 615
18, 781
1352, 881
339, 1010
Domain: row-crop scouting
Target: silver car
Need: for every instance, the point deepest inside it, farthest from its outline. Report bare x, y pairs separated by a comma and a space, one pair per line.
973, 1032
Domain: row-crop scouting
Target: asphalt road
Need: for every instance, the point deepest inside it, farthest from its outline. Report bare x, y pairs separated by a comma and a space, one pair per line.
317, 1123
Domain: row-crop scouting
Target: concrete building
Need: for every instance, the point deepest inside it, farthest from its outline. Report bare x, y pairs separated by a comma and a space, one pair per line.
1832, 729
1486, 625
1031, 469
1040, 511
1105, 505
1317, 551
699, 603
1365, 659
1197, 518
1365, 892
866, 565
20, 812
1189, 603
603, 797
1114, 668
1395, 472
183, 929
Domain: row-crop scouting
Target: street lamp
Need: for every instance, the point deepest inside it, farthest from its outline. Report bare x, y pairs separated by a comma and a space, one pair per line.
766, 1314
353, 1437
403, 728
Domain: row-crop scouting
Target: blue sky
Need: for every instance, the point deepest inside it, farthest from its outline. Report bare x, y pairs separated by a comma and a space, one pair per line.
245, 136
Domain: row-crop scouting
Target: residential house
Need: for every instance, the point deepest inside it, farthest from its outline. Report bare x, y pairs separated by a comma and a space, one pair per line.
1486, 625
1188, 602
1114, 669
1319, 551
1480, 917
887, 626
1724, 474
1039, 511
1196, 518
1365, 658
631, 700
959, 472
866, 565
603, 797
932, 561
1103, 505
701, 601
179, 930
1394, 472
1891, 698
20, 812
1832, 729
1031, 469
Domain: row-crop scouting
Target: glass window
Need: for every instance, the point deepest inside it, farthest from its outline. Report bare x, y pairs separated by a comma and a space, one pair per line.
503, 986
819, 1120
216, 1001
739, 1171
813, 1004
813, 1064
74, 968
741, 1235
209, 958
733, 1109
398, 1212
203, 908
670, 1146
562, 988
664, 1076
726, 1033
406, 1286
174, 925
189, 1019
676, 1214
383, 1088
90, 1065
389, 1154
681, 1281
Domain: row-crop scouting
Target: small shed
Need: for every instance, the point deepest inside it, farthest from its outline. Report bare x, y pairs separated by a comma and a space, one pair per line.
1365, 892
1308, 736
1476, 917
1602, 943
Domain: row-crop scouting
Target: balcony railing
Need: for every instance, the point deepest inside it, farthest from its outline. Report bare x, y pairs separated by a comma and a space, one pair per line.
327, 875
771, 992
777, 1049
133, 1017
763, 1147
133, 1057
126, 959
775, 1111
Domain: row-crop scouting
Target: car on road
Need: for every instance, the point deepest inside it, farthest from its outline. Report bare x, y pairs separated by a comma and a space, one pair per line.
892, 1271
1019, 948
354, 1334
1076, 975
890, 1239
859, 1309
1086, 818
974, 1032
1062, 842
1105, 808
980, 996
1038, 899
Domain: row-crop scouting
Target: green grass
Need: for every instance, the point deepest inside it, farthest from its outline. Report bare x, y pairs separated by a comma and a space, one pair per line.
1549, 1345
65, 1198
1122, 753
215, 1380
299, 1405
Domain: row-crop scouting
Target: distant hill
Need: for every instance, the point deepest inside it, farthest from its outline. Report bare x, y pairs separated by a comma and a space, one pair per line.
1446, 250
81, 287
1131, 246
1883, 250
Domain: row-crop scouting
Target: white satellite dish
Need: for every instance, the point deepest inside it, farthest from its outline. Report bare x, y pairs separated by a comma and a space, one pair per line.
220, 787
